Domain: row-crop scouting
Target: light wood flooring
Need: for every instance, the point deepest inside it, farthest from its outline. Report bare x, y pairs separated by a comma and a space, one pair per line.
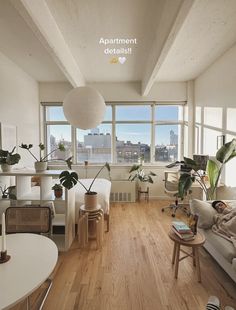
133, 270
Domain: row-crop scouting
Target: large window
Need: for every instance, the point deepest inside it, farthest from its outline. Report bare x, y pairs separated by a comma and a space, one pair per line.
94, 145
168, 128
129, 132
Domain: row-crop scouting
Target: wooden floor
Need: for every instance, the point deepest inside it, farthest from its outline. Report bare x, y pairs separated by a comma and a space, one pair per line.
133, 270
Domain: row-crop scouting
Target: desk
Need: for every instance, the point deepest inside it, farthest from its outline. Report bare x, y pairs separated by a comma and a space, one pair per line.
33, 258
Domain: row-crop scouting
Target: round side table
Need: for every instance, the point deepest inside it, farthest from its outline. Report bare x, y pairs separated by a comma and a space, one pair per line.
91, 217
194, 244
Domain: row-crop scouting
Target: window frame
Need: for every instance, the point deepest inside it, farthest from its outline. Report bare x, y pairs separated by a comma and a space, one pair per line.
113, 123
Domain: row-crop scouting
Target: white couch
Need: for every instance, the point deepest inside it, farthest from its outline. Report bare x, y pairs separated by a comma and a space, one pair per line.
221, 249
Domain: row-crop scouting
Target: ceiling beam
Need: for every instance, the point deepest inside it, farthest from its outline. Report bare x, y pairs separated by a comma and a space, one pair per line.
170, 24
38, 16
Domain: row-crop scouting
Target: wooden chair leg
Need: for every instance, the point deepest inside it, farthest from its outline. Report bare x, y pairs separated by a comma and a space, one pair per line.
174, 254
198, 264
177, 260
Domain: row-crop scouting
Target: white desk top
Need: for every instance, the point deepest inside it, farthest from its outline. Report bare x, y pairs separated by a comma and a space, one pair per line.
33, 258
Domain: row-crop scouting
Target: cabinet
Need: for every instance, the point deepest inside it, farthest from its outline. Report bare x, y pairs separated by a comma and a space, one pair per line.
42, 194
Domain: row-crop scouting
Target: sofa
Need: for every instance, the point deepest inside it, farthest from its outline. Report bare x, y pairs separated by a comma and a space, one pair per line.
221, 249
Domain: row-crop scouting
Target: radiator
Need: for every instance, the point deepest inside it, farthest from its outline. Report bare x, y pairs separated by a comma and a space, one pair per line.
123, 191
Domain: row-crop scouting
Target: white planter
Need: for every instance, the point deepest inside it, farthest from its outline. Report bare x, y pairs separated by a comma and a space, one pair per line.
6, 167
143, 186
40, 166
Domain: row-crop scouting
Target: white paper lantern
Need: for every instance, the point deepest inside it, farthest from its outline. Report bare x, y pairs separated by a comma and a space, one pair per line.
84, 107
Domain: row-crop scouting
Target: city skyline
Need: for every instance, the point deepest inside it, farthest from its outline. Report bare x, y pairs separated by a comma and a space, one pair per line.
139, 132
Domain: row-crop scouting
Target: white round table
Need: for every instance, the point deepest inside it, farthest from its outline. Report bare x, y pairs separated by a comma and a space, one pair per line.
33, 258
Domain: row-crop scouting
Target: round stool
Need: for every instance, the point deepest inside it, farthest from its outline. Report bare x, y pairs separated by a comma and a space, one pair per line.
194, 244
89, 219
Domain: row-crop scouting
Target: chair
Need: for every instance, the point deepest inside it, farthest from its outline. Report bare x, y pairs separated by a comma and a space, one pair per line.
30, 219
171, 189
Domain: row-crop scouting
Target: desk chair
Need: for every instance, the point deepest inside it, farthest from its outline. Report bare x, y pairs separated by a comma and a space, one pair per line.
30, 219
171, 189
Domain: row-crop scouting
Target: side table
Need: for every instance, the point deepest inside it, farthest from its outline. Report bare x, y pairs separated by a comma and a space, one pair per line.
194, 244
88, 219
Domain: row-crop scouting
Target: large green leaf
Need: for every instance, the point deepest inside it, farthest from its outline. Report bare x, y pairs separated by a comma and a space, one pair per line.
135, 167
190, 163
68, 180
225, 153
212, 173
185, 182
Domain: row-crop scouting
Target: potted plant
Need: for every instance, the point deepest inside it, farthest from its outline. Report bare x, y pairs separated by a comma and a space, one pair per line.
58, 190
8, 159
69, 180
213, 170
8, 192
137, 173
41, 162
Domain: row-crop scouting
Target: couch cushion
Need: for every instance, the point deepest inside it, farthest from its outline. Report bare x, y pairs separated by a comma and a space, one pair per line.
223, 246
205, 211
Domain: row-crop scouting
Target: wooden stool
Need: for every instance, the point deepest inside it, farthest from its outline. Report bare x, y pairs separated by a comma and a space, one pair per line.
194, 244
87, 220
145, 193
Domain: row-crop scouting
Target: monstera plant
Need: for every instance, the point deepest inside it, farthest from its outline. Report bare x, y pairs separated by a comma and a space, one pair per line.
214, 169
70, 179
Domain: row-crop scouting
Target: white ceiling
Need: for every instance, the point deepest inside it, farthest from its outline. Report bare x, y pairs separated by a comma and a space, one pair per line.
83, 22
19, 43
208, 31
204, 31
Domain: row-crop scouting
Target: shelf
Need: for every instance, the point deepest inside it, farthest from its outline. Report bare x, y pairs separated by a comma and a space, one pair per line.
64, 221
34, 194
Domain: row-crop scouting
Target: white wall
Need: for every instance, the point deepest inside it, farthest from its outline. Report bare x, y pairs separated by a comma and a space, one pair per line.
19, 104
216, 88
55, 92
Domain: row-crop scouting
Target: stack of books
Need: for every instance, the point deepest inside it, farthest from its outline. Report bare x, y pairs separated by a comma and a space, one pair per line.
182, 230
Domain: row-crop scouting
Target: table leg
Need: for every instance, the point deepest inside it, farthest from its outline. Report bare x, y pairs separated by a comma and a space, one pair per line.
177, 259
174, 253
198, 264
194, 257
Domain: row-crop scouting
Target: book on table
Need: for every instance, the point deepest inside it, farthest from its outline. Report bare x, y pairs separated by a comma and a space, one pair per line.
184, 236
181, 227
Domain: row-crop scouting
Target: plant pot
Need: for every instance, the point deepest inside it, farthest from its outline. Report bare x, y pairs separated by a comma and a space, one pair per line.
143, 186
40, 166
6, 167
90, 200
58, 193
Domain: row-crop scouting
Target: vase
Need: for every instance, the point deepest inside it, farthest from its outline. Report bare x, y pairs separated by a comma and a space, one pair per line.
40, 166
90, 200
6, 167
58, 193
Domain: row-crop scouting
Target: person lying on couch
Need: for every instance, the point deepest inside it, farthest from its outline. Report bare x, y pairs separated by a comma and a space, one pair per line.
224, 221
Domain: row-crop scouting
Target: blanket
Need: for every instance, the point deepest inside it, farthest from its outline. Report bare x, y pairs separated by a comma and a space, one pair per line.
225, 225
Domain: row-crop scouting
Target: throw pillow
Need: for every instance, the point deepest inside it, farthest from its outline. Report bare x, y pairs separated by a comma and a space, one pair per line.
205, 211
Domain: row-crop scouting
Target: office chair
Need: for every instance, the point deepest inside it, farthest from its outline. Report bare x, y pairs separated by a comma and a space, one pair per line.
171, 189
30, 219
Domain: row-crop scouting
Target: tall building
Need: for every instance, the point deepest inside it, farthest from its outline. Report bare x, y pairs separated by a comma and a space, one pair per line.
173, 138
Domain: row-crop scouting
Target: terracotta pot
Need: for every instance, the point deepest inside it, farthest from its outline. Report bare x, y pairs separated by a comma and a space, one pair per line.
58, 193
6, 167
40, 166
90, 200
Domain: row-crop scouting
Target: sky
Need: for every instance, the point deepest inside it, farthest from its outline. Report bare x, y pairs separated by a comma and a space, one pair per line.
132, 132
